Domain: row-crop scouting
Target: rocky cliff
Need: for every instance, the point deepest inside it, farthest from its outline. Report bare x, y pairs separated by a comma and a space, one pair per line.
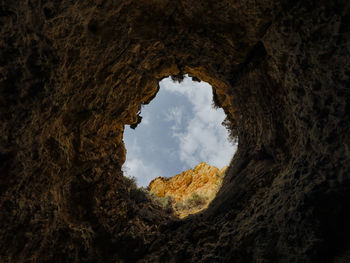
73, 73
192, 190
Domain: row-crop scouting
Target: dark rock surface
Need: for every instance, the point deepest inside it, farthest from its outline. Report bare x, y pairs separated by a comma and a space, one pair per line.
73, 73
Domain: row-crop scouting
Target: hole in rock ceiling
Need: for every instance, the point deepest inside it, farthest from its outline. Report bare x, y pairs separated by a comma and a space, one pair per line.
180, 130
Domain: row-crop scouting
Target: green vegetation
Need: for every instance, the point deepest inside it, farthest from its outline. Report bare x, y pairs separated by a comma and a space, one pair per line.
196, 200
141, 195
229, 124
138, 195
165, 202
130, 182
180, 206
177, 78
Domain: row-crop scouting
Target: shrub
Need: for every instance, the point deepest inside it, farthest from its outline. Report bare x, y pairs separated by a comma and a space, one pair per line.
177, 78
232, 130
139, 195
130, 182
196, 200
215, 104
179, 206
196, 79
164, 202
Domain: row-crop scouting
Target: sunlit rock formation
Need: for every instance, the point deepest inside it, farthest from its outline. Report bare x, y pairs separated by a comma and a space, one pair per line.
192, 190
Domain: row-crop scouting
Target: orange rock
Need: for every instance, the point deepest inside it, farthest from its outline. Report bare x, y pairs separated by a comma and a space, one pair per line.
200, 183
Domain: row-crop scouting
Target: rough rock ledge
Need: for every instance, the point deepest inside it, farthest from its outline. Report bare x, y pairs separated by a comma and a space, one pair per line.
190, 191
73, 73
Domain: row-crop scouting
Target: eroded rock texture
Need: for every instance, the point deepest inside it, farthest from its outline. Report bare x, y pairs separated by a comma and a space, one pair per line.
73, 73
190, 191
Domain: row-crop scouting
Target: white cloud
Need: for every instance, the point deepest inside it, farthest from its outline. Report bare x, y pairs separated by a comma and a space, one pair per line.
205, 139
143, 172
199, 90
174, 115
145, 120
202, 143
135, 165
132, 144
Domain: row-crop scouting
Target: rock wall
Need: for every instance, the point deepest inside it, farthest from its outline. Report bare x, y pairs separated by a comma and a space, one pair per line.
190, 191
73, 73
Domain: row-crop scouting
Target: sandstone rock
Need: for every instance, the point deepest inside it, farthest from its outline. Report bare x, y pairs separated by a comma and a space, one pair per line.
202, 182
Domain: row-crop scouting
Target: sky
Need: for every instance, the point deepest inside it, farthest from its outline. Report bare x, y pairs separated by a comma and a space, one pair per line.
179, 129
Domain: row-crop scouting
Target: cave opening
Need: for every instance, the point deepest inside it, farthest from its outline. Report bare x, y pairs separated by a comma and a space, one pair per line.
74, 73
180, 149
